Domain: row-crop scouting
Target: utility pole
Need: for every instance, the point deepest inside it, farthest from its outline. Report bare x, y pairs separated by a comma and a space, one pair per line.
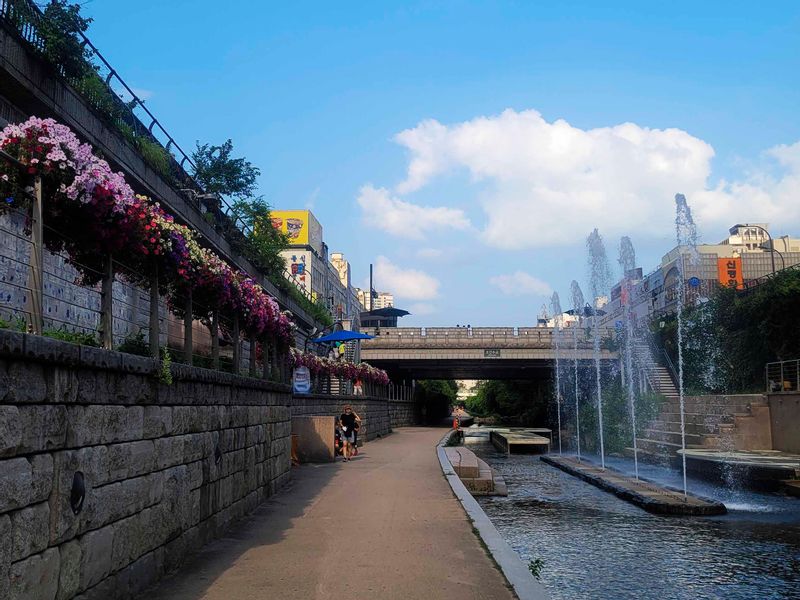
370, 287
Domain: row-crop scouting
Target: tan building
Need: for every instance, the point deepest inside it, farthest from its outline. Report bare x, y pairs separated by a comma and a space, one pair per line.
741, 260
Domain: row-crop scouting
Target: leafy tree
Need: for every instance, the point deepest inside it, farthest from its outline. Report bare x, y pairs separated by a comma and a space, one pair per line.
60, 30
263, 242
445, 387
218, 173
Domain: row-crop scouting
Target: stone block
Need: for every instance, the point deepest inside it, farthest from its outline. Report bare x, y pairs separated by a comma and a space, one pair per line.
12, 343
69, 577
40, 348
143, 573
192, 447
62, 385
30, 530
15, 483
43, 428
10, 430
118, 500
96, 549
99, 358
130, 363
26, 383
5, 551
157, 421
169, 451
36, 577
103, 424
130, 459
134, 389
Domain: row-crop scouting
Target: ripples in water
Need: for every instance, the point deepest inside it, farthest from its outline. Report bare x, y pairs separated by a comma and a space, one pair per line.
595, 545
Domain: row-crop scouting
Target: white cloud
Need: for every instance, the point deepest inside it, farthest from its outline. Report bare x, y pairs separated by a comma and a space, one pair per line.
404, 283
551, 182
521, 284
422, 309
429, 253
405, 219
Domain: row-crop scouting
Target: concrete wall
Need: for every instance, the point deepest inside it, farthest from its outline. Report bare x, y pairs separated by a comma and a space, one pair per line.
166, 467
784, 411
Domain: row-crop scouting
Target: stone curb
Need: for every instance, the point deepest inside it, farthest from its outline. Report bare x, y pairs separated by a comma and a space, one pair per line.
515, 572
648, 503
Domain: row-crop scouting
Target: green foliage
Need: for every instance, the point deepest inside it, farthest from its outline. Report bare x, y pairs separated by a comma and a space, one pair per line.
512, 402
15, 324
165, 371
535, 566
729, 339
95, 91
217, 172
444, 387
135, 343
75, 337
617, 430
155, 155
263, 243
60, 30
320, 314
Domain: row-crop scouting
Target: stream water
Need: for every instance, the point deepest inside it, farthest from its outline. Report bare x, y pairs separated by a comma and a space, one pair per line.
596, 546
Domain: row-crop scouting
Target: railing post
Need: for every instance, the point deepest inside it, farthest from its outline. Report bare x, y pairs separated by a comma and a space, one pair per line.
252, 356
36, 265
215, 339
153, 334
781, 363
106, 305
236, 344
187, 328
266, 356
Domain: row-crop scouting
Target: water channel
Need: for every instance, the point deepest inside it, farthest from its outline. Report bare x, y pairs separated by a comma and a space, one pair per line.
595, 545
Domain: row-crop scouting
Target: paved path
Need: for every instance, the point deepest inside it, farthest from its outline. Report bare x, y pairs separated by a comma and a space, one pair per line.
385, 525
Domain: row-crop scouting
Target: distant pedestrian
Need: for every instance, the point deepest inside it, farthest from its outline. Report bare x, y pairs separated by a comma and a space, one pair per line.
348, 421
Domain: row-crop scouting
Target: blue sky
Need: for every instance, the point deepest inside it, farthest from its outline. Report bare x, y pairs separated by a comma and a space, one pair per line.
497, 206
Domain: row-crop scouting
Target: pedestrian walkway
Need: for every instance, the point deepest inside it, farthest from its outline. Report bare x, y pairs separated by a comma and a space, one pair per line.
385, 525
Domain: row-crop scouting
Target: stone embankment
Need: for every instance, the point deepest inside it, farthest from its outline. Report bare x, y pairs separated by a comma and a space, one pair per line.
111, 477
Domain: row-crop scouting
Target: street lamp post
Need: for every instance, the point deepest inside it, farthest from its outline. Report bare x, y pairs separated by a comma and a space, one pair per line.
769, 237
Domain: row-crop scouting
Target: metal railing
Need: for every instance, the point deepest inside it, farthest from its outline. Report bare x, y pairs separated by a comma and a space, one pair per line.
24, 17
783, 376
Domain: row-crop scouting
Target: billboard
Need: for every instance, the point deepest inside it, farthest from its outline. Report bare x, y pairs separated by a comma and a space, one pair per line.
730, 272
294, 223
298, 263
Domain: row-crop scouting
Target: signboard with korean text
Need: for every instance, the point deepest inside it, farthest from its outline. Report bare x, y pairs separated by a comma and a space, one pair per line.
730, 272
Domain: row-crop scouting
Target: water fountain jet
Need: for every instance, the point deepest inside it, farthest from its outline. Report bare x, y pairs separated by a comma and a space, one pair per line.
600, 275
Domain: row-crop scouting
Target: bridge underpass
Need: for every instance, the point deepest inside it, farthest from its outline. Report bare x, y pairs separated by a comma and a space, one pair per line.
415, 353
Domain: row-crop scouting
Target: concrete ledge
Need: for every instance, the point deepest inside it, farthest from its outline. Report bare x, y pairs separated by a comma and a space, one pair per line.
644, 494
515, 572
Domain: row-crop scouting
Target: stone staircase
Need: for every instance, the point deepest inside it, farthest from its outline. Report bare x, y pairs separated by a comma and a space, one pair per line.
725, 423
657, 376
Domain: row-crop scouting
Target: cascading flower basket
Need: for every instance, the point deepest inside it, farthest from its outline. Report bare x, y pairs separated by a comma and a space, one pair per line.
103, 215
328, 367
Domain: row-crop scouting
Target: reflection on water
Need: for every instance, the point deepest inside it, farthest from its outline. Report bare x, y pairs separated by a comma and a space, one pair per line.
595, 545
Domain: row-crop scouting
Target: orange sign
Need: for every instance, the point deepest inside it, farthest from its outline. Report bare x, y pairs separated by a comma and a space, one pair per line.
730, 272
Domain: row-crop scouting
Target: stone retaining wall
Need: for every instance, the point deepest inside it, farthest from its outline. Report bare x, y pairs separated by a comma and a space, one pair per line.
380, 416
166, 467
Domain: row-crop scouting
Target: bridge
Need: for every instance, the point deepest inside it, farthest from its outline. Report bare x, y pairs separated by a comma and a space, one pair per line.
477, 352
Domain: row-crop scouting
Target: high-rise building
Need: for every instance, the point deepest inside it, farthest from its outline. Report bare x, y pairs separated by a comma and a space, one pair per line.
325, 279
379, 299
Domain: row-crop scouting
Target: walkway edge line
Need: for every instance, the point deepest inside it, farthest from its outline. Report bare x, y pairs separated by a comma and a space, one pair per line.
514, 570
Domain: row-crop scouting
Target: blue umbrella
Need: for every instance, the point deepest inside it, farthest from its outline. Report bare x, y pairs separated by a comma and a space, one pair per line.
343, 336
